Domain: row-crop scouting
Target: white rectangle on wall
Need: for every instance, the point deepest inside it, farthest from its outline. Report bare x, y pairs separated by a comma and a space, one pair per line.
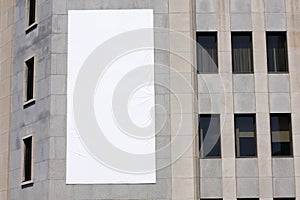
110, 116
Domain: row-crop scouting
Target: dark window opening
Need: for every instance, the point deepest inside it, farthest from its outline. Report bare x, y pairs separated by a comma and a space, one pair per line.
245, 135
27, 159
209, 135
31, 12
281, 135
29, 79
242, 58
277, 52
207, 56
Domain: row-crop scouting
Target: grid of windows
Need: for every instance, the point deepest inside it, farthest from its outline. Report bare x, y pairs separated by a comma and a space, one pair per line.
209, 131
207, 52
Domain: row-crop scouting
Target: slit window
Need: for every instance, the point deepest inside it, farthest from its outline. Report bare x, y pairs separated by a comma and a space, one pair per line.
31, 12
29, 79
281, 134
207, 57
245, 135
242, 58
27, 159
209, 132
277, 52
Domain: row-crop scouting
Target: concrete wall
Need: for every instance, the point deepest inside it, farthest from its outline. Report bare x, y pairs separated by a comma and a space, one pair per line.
6, 62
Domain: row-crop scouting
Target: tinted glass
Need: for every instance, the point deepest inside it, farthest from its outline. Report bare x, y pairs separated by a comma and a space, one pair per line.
242, 52
207, 53
209, 131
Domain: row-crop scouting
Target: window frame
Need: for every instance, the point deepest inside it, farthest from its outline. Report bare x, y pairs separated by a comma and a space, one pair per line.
207, 33
28, 102
290, 135
237, 138
31, 180
278, 33
242, 33
32, 26
201, 137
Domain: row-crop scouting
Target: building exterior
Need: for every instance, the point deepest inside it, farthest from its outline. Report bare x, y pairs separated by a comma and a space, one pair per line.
243, 79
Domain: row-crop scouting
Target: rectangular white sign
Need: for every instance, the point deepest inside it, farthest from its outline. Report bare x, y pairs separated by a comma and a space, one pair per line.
110, 116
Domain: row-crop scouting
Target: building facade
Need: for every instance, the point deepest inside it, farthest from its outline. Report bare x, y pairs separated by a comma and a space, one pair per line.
231, 100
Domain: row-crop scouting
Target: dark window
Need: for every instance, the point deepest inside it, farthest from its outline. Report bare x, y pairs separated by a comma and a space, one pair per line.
209, 132
27, 142
242, 61
245, 135
31, 12
277, 52
29, 79
282, 198
248, 198
281, 134
207, 52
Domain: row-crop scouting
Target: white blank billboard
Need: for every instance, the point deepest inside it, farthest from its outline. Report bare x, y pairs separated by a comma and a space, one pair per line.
110, 106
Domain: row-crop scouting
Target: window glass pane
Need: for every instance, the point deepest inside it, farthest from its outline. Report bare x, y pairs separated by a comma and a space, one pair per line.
207, 52
277, 52
242, 52
245, 135
281, 134
209, 131
30, 78
27, 158
31, 18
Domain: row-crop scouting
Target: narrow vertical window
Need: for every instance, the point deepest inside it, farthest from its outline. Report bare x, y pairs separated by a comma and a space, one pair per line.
281, 134
245, 135
242, 61
29, 79
207, 52
277, 52
209, 135
27, 159
31, 12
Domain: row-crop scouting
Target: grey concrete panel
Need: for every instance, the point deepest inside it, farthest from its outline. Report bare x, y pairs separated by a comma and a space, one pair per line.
238, 6
210, 168
284, 187
283, 167
243, 83
206, 6
280, 102
247, 187
275, 21
211, 187
241, 22
247, 168
279, 83
206, 22
244, 102
274, 6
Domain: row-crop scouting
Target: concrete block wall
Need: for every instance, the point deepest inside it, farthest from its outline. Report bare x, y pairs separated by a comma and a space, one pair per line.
6, 62
260, 93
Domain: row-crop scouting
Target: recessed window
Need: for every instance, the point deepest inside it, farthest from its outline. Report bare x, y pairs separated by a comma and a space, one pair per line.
207, 52
281, 134
242, 61
245, 135
209, 135
277, 52
31, 6
27, 159
29, 79
287, 198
